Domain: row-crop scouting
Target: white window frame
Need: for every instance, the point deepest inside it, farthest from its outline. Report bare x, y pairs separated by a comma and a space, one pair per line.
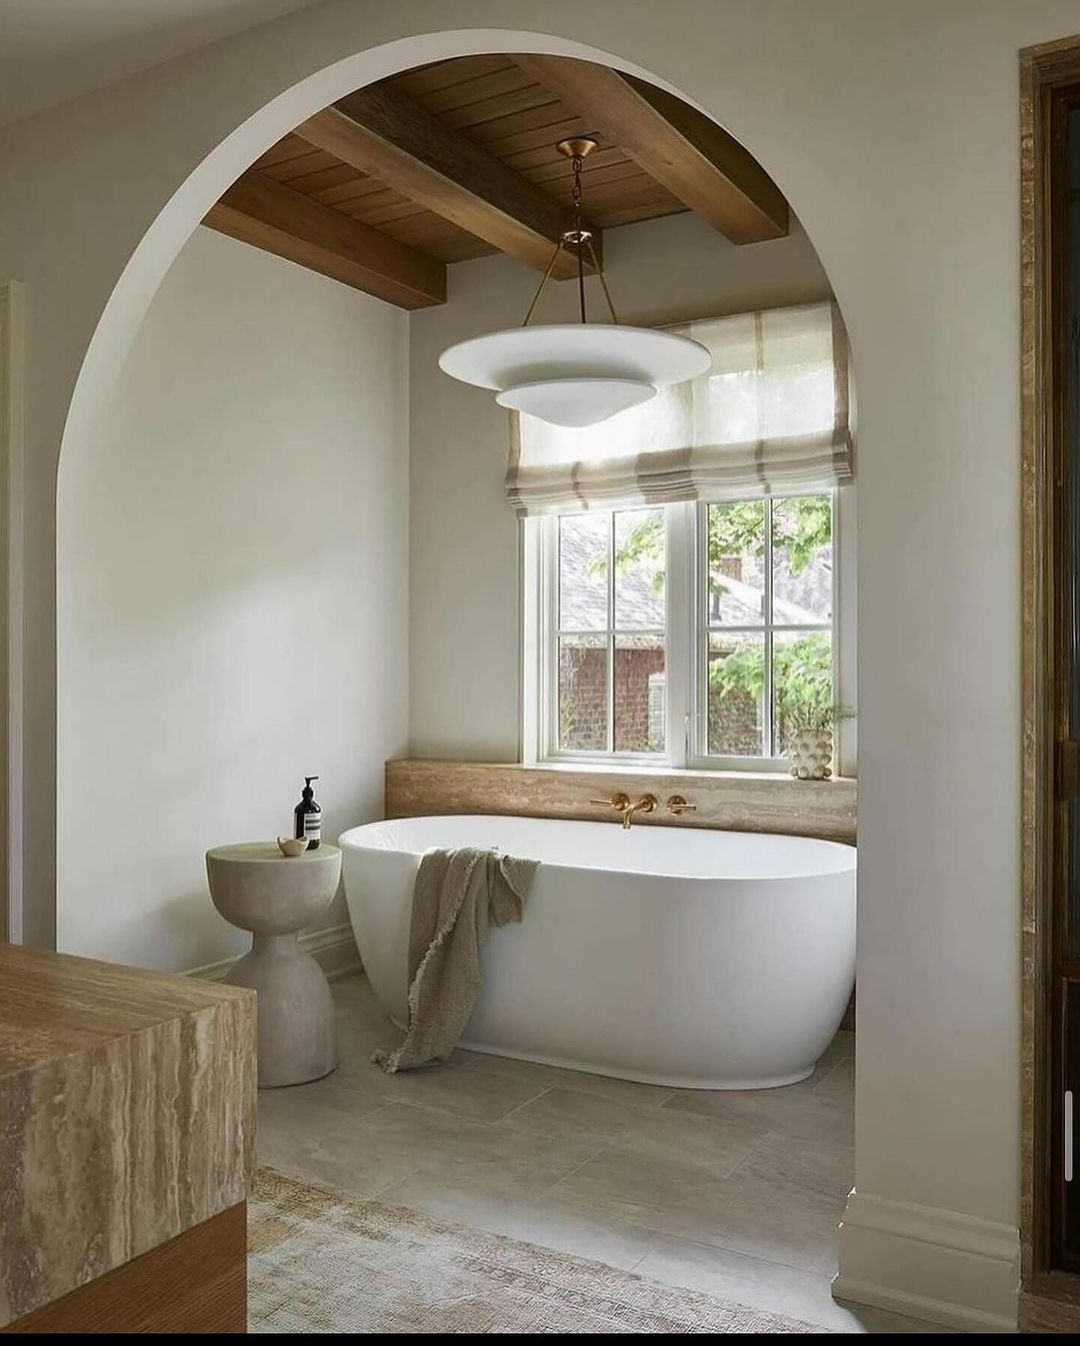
686, 660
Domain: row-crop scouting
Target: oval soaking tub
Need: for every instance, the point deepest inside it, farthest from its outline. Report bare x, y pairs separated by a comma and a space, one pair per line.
676, 956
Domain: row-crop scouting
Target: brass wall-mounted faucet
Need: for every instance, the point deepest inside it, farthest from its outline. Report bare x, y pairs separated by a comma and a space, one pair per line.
622, 803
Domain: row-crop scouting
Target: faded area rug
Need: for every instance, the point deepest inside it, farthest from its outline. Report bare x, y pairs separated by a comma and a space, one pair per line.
322, 1261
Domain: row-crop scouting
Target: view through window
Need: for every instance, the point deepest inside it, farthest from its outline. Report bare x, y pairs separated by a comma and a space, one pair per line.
751, 647
612, 633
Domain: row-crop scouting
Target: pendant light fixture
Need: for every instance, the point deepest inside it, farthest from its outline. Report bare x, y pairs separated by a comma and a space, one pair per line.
575, 374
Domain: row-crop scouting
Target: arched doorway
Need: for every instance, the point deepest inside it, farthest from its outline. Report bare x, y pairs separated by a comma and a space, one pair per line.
77, 500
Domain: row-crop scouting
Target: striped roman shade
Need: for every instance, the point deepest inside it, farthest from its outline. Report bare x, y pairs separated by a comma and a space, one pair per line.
771, 416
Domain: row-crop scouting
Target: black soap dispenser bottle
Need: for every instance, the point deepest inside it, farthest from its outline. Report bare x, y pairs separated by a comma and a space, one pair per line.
308, 816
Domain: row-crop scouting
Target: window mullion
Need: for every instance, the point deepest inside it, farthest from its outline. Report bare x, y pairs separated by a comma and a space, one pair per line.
611, 636
701, 642
768, 736
536, 638
679, 629
836, 634
553, 615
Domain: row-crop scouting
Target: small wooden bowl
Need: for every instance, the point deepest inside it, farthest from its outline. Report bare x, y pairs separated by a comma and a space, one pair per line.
292, 846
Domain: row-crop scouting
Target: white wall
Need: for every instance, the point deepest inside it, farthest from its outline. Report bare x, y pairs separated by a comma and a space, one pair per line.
465, 587
233, 590
894, 131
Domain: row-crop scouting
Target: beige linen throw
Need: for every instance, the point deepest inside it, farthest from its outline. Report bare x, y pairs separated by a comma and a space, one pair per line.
455, 897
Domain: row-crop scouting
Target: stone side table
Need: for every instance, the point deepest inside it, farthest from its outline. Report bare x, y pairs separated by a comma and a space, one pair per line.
257, 888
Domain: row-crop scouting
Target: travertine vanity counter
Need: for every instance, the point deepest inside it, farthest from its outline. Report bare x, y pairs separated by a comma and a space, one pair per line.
127, 1116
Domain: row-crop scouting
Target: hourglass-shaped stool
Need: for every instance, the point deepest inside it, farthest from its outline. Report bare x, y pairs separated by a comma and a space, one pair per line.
274, 896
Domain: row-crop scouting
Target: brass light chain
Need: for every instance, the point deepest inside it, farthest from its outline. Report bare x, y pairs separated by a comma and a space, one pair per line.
576, 163
577, 236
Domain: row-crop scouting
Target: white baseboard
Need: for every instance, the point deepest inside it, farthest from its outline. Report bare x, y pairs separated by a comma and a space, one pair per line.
949, 1268
334, 949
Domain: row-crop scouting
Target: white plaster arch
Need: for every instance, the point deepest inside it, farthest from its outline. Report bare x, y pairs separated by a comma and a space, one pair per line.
209, 178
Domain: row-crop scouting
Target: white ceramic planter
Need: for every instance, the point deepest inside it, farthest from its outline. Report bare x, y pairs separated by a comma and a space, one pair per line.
810, 756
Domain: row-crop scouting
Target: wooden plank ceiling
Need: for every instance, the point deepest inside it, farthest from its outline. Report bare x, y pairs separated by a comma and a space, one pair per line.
457, 160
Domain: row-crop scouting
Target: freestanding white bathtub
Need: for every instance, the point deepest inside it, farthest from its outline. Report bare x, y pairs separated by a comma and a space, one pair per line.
684, 957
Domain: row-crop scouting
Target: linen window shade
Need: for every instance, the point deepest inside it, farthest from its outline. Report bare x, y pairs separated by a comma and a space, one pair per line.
770, 416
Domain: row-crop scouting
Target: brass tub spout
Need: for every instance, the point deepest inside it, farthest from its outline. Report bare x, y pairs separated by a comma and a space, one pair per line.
621, 803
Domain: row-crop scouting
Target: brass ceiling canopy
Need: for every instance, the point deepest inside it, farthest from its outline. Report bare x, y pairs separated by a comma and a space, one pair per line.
579, 147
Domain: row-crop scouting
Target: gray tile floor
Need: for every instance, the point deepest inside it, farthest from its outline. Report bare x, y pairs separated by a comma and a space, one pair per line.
737, 1194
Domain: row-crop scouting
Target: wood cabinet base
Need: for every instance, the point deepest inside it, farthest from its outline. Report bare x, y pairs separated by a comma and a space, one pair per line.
196, 1282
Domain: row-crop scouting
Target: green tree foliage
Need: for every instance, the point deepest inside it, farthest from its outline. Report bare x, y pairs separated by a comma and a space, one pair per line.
802, 677
801, 526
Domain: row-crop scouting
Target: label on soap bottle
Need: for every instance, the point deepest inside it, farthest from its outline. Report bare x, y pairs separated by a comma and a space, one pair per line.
313, 826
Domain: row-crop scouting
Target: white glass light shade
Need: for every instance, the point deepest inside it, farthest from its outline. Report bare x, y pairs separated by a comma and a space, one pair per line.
575, 374
576, 402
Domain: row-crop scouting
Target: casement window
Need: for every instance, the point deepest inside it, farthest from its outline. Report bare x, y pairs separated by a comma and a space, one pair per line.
606, 639
685, 634
688, 564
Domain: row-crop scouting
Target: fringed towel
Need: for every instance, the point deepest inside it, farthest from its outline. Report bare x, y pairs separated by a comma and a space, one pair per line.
456, 896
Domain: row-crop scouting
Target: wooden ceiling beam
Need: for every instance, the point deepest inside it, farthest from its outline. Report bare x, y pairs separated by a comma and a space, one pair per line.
696, 160
260, 211
394, 139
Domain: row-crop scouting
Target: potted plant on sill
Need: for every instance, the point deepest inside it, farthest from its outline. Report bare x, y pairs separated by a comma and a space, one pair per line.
809, 728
